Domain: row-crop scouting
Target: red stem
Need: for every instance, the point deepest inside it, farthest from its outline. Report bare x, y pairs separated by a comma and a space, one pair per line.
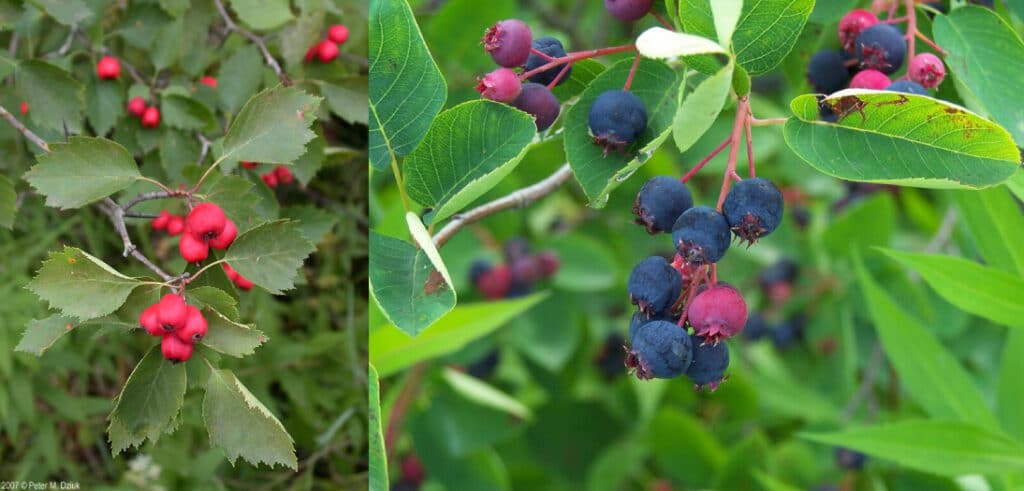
541, 54
561, 75
702, 163
750, 147
668, 25
632, 72
576, 56
742, 114
911, 27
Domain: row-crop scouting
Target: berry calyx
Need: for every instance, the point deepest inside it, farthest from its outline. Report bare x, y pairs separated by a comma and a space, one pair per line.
209, 81
175, 349
628, 10
654, 286
660, 202
852, 24
538, 101
226, 236
553, 48
870, 79
337, 34
508, 42
160, 222
927, 70
501, 85
717, 313
151, 117
192, 248
108, 68
150, 320
701, 235
195, 327
710, 360
326, 51
907, 87
881, 47
660, 349
137, 106
753, 209
617, 119
206, 220
172, 312
827, 72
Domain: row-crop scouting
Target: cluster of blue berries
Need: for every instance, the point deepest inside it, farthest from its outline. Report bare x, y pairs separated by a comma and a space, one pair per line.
683, 312
516, 276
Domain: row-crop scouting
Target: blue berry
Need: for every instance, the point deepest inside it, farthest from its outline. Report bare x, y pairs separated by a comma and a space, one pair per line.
617, 119
553, 48
701, 235
661, 349
788, 333
709, 363
628, 10
907, 87
827, 72
881, 47
478, 269
756, 327
660, 202
484, 367
654, 286
850, 459
753, 209
538, 101
640, 318
783, 271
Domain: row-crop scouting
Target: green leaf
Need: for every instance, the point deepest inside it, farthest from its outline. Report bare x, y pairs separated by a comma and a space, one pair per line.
831, 11
167, 47
695, 459
214, 298
185, 113
786, 395
239, 77
946, 448
663, 44
242, 426
273, 126
484, 394
425, 242
178, 149
54, 96
406, 87
743, 460
767, 31
392, 349
106, 105
699, 108
726, 14
995, 222
1010, 391
929, 372
87, 169
656, 85
263, 14
984, 56
270, 255
80, 285
903, 139
8, 203
770, 483
468, 150
149, 400
67, 12
984, 291
39, 335
865, 223
583, 72
378, 456
230, 338
306, 166
587, 265
401, 282
349, 100
314, 222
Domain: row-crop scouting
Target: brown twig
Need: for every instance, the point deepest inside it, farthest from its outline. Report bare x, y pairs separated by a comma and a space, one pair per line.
271, 61
32, 137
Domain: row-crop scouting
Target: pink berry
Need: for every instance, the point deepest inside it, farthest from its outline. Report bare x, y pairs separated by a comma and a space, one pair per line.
870, 79
338, 34
192, 248
284, 174
175, 349
508, 42
501, 85
150, 320
151, 117
495, 283
226, 236
852, 24
718, 312
206, 220
326, 51
194, 328
175, 225
927, 70
137, 106
171, 312
160, 222
212, 82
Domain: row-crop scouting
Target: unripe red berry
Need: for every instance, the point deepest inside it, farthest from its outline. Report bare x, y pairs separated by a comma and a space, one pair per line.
284, 174
717, 313
150, 320
549, 263
137, 106
160, 222
310, 53
927, 70
24, 108
195, 327
172, 312
501, 85
243, 283
175, 225
495, 283
870, 79
326, 51
108, 68
851, 25
206, 220
193, 249
270, 179
508, 42
338, 34
208, 80
226, 236
151, 117
229, 271
249, 165
175, 349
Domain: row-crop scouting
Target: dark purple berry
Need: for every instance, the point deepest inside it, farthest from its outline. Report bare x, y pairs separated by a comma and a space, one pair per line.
508, 42
709, 363
526, 270
756, 327
628, 10
783, 271
479, 268
827, 72
515, 250
660, 202
850, 459
617, 119
881, 47
611, 357
654, 286
553, 48
660, 350
701, 235
907, 87
640, 318
753, 209
484, 367
537, 100
788, 333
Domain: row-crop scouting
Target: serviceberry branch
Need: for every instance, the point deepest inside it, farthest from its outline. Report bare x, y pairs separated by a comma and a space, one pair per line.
271, 61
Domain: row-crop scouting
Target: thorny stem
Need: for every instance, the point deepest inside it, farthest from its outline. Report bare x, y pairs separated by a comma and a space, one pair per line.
271, 61
575, 56
632, 72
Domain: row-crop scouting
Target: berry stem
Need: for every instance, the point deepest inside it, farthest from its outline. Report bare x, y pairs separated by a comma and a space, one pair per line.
576, 56
541, 54
704, 162
895, 20
750, 146
560, 76
930, 43
632, 72
911, 26
742, 114
668, 25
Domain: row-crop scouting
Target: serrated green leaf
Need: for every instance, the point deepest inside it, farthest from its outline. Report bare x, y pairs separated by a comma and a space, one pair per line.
946, 448
273, 126
270, 255
106, 105
698, 109
406, 87
400, 281
40, 334
583, 72
903, 139
185, 113
263, 14
84, 170
656, 85
314, 222
236, 197
178, 149
378, 456
230, 338
168, 48
242, 426
468, 150
149, 400
80, 285
67, 12
239, 77
214, 298
766, 32
8, 202
55, 97
306, 166
348, 100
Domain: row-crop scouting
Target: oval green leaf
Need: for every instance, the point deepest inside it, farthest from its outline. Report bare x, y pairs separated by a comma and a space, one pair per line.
699, 108
401, 282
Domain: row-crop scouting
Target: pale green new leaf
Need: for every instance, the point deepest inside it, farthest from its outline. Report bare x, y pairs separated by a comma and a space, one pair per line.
242, 426
484, 394
270, 255
84, 170
698, 109
81, 285
661, 43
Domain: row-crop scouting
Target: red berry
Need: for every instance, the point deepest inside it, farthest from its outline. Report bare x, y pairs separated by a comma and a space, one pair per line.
310, 53
206, 221
326, 51
175, 349
194, 328
338, 34
193, 249
851, 25
228, 270
137, 106
270, 178
150, 320
927, 70
243, 283
175, 225
249, 165
172, 312
495, 283
24, 108
284, 174
108, 68
160, 222
870, 79
225, 237
549, 263
718, 313
501, 85
208, 80
151, 117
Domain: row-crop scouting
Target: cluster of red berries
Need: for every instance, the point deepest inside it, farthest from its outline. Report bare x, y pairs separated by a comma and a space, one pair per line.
205, 226
179, 325
149, 115
516, 276
279, 175
327, 50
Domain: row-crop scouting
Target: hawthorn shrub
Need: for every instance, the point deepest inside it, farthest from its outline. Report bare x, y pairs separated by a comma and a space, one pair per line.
808, 211
173, 317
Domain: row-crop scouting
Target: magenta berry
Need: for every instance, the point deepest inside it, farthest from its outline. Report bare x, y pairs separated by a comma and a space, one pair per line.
501, 85
717, 313
927, 70
628, 10
870, 79
881, 47
508, 42
852, 24
537, 100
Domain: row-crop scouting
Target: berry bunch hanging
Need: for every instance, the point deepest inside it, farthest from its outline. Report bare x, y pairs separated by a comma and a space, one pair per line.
180, 326
327, 49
